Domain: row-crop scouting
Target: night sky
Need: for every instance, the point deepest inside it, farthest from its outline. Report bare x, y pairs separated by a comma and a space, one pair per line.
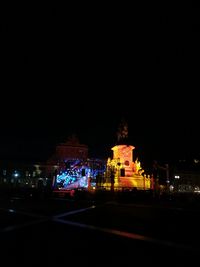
81, 70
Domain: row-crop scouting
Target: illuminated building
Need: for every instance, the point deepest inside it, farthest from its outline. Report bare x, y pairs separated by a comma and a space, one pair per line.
127, 174
68, 168
71, 149
80, 173
74, 168
186, 176
122, 172
64, 153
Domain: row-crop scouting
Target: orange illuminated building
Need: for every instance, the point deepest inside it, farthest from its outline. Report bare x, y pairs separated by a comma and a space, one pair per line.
126, 172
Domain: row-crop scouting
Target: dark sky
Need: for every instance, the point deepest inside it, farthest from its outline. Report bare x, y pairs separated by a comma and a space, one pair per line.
82, 69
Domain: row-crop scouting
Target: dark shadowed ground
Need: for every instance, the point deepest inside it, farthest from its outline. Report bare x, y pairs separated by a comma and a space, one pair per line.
92, 231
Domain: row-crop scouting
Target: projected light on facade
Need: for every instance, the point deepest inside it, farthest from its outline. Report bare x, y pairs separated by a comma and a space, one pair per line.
79, 174
127, 173
122, 171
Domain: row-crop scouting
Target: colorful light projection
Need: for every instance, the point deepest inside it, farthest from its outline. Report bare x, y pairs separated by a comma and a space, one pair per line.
79, 174
127, 173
